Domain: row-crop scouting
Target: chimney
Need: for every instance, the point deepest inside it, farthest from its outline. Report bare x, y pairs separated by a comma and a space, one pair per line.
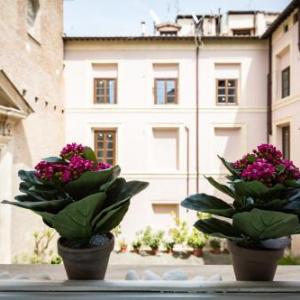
143, 28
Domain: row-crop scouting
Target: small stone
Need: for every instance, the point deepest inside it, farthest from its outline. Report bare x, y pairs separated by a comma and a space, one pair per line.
5, 275
149, 275
132, 275
175, 275
99, 240
43, 277
21, 277
198, 278
215, 278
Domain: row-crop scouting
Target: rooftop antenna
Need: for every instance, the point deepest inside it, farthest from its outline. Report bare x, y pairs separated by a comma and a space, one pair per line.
198, 29
154, 16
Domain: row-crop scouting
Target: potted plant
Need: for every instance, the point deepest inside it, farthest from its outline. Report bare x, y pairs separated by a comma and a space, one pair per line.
215, 246
264, 212
196, 240
123, 246
83, 200
179, 232
137, 243
169, 244
152, 240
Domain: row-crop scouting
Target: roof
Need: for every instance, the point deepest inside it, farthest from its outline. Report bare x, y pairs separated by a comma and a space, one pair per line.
252, 12
189, 16
281, 18
155, 38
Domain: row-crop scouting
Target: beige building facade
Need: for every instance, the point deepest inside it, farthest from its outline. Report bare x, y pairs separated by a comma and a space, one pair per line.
31, 106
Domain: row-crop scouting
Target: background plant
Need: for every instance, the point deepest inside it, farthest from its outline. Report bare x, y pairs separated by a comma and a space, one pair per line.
196, 239
179, 232
152, 239
265, 193
77, 195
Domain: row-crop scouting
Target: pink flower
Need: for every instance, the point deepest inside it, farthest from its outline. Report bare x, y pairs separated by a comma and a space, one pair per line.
72, 149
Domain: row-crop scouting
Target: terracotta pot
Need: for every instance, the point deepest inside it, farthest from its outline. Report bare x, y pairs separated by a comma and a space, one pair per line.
153, 251
136, 250
254, 264
123, 249
215, 251
86, 263
198, 252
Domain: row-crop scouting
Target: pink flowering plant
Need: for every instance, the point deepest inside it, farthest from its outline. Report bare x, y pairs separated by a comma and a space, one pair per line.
76, 194
265, 192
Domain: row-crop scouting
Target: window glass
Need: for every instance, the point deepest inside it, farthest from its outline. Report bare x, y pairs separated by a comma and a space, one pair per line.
165, 91
105, 91
285, 82
227, 91
105, 145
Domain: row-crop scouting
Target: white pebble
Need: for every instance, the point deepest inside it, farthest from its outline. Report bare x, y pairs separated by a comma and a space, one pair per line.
149, 275
175, 275
132, 275
198, 278
5, 275
43, 277
21, 277
215, 278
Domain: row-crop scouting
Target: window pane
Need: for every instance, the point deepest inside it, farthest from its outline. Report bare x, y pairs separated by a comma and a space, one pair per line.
171, 93
231, 83
100, 154
109, 154
221, 92
231, 99
221, 83
111, 92
160, 92
285, 82
231, 92
221, 99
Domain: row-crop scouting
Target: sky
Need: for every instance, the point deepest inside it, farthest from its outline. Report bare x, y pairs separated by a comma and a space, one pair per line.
123, 17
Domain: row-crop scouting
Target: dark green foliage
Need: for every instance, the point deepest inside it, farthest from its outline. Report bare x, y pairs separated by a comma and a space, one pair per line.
94, 203
258, 212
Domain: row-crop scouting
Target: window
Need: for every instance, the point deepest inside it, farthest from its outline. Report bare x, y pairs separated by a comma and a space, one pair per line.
227, 91
285, 131
165, 91
105, 145
164, 214
296, 18
242, 32
105, 91
285, 82
32, 11
286, 28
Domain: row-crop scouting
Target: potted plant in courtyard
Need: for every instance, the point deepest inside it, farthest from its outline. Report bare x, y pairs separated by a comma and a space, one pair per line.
83, 200
215, 246
196, 240
263, 213
152, 240
137, 243
123, 246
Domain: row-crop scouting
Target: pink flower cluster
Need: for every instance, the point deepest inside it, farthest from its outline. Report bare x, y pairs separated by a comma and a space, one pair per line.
267, 165
72, 166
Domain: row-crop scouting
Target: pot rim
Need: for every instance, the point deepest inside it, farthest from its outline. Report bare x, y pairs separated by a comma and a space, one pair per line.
109, 244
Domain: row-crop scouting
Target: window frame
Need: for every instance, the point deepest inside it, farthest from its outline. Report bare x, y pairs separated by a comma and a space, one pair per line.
165, 95
242, 32
226, 91
106, 79
283, 95
114, 149
285, 147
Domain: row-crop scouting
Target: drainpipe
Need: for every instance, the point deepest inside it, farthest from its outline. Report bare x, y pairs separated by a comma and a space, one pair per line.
187, 161
299, 25
270, 92
197, 117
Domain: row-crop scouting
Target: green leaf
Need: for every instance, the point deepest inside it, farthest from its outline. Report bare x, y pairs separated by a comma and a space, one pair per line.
29, 176
47, 206
53, 159
263, 224
292, 183
48, 218
218, 228
221, 187
114, 176
111, 219
257, 189
74, 221
88, 182
89, 154
208, 204
229, 167
121, 193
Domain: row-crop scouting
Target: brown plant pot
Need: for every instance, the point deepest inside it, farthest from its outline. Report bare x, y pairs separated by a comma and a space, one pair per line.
198, 252
253, 264
85, 263
123, 249
215, 251
153, 251
136, 250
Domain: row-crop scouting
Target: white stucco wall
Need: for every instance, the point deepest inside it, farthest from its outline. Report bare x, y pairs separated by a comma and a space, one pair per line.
135, 114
